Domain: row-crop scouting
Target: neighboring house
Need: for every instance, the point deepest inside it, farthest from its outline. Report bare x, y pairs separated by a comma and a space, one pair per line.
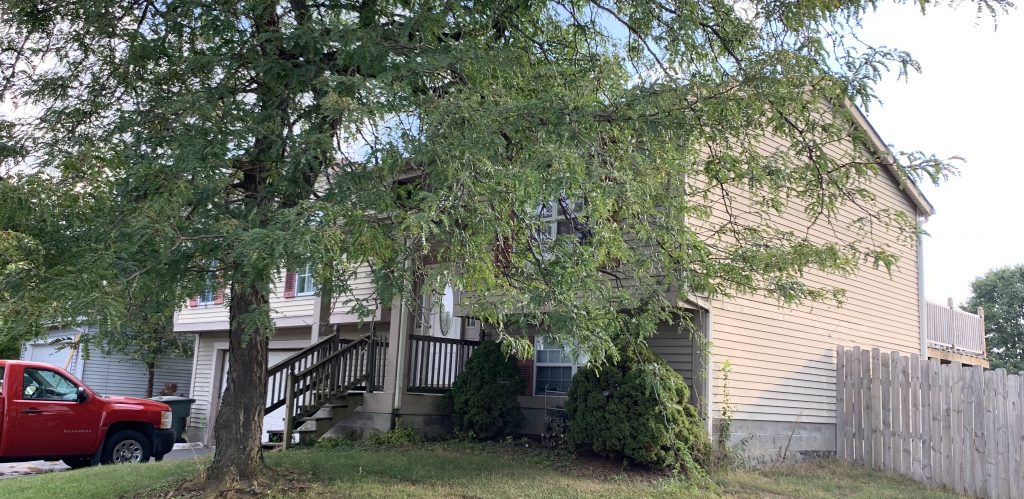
781, 387
106, 374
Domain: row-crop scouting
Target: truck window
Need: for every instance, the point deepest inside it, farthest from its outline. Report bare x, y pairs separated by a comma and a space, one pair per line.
43, 384
1, 380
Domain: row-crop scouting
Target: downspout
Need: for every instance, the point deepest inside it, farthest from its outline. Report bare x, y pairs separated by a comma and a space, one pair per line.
708, 371
921, 307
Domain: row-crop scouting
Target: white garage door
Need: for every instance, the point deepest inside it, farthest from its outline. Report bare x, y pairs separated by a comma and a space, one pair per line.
54, 355
274, 420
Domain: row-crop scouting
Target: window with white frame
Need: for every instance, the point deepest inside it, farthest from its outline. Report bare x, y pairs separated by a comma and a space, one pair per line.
304, 281
209, 294
559, 218
554, 366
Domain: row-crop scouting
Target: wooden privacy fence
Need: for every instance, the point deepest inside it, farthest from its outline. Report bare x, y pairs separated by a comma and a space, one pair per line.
938, 424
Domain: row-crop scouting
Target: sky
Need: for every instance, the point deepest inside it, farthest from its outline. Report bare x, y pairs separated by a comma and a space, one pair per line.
968, 101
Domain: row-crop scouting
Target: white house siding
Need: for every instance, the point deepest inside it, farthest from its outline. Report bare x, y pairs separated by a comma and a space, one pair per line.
292, 311
782, 358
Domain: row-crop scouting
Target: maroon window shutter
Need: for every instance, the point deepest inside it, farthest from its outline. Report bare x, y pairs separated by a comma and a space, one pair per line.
526, 370
219, 300
193, 302
289, 285
503, 254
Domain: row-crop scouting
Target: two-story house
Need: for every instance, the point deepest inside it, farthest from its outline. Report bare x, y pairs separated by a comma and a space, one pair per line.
780, 383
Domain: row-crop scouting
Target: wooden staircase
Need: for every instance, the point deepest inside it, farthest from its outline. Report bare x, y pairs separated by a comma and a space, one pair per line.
323, 384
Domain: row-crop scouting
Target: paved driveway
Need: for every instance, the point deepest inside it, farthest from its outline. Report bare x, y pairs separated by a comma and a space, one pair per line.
11, 470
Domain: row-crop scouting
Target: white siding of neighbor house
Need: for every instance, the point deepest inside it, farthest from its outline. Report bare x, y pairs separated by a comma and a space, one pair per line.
115, 375
299, 307
782, 357
109, 374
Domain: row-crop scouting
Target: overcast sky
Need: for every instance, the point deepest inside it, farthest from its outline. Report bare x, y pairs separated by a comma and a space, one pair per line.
968, 101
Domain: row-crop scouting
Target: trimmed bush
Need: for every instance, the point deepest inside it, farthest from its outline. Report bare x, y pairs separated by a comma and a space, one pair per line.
639, 410
484, 397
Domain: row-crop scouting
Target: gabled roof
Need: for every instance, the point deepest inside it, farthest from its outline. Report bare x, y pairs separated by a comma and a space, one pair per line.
912, 191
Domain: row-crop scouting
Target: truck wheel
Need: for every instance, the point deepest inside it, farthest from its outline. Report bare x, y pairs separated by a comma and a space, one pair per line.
126, 447
77, 462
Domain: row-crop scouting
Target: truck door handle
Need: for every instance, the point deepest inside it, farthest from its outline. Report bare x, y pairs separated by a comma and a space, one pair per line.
32, 410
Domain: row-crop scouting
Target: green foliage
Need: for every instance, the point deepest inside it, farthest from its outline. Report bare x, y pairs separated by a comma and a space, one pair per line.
1001, 293
638, 409
402, 435
484, 399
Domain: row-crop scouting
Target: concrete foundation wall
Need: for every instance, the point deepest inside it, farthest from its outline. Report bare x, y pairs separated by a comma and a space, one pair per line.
777, 442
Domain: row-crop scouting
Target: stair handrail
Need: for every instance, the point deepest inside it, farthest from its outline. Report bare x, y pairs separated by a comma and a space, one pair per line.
276, 380
331, 371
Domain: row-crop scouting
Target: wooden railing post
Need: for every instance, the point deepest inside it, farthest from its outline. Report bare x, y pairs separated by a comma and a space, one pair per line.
371, 363
289, 404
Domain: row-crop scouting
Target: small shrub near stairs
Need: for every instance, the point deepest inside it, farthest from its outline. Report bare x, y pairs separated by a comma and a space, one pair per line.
639, 410
484, 399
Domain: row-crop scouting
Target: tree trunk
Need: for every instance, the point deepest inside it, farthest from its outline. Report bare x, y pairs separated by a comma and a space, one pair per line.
151, 375
238, 458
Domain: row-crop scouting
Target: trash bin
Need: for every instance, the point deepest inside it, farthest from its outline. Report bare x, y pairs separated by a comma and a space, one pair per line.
180, 409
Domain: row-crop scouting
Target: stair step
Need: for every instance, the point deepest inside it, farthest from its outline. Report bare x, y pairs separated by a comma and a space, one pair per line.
316, 418
297, 431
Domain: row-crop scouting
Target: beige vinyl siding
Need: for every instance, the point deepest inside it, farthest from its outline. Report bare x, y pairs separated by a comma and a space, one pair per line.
782, 358
203, 377
298, 307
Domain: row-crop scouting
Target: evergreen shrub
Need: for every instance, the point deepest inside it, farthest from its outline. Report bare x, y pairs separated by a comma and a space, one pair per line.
484, 398
637, 409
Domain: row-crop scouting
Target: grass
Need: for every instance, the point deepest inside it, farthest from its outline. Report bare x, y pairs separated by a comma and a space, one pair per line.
473, 470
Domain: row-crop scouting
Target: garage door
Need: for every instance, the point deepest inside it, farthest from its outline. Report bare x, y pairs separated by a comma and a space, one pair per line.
54, 355
274, 420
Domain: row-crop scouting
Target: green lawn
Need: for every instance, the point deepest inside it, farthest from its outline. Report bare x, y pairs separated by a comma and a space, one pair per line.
471, 470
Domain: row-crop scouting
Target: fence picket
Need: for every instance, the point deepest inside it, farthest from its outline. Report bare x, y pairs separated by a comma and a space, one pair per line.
841, 416
886, 388
906, 431
876, 409
916, 462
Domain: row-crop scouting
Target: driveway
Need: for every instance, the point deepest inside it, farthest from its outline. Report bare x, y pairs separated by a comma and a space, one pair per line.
12, 470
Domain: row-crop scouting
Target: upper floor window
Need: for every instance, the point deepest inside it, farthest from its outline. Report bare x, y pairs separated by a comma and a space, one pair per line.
304, 281
209, 294
560, 218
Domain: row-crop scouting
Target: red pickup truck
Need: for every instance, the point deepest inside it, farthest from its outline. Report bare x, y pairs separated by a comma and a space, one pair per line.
45, 413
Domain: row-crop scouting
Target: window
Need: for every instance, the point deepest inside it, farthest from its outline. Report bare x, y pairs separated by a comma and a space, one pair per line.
1, 379
561, 218
209, 294
554, 365
42, 384
304, 281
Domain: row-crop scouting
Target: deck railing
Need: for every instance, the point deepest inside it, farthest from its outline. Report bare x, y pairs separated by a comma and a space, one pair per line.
950, 328
435, 363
